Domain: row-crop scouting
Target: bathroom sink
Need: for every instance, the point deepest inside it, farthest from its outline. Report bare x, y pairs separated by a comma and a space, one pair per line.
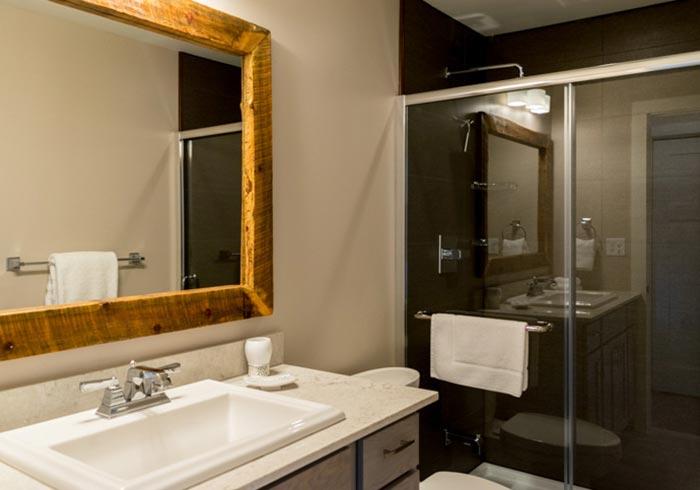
208, 428
584, 299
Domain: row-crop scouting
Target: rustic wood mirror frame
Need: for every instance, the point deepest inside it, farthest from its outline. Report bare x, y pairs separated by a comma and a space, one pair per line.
504, 128
40, 330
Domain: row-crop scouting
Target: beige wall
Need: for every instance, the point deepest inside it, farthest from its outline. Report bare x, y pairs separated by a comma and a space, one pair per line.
335, 77
88, 125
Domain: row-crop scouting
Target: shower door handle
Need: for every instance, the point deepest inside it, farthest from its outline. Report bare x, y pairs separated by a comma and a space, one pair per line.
189, 280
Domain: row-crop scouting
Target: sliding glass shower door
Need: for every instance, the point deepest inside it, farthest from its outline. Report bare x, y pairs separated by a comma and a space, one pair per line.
574, 206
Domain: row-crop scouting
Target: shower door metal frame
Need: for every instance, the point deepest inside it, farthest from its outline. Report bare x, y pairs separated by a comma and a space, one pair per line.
185, 154
567, 79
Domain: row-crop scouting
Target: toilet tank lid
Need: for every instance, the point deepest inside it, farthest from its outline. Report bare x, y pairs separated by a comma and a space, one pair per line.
549, 429
392, 375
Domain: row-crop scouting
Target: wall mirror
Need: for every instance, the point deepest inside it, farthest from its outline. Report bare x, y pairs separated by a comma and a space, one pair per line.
516, 168
93, 163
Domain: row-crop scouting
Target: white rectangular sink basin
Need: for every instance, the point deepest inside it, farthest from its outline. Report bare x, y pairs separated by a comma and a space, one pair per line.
584, 299
208, 428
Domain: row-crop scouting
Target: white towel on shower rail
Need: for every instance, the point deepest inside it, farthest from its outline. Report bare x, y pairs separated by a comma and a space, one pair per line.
81, 276
486, 353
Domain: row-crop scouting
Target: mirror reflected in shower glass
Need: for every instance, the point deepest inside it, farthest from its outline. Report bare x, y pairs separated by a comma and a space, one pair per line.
91, 111
513, 177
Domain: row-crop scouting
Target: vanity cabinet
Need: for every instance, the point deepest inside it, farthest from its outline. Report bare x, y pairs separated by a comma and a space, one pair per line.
385, 460
336, 471
387, 455
608, 391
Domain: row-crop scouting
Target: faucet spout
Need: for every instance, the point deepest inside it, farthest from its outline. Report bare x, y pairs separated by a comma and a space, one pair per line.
150, 382
534, 287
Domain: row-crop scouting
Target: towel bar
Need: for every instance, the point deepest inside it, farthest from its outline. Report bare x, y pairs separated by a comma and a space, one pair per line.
15, 264
535, 326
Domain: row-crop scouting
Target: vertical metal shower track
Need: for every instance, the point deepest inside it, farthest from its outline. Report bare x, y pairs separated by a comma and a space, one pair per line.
570, 273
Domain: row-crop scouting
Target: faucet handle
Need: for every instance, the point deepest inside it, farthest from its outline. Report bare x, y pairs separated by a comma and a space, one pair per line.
173, 367
98, 384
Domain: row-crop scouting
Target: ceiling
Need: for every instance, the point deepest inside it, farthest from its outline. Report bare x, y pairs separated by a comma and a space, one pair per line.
490, 17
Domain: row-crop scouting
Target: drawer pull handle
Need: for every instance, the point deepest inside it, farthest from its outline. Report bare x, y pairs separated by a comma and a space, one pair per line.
404, 444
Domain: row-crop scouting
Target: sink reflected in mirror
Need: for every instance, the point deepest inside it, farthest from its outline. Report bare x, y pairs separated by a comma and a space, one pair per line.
209, 428
559, 299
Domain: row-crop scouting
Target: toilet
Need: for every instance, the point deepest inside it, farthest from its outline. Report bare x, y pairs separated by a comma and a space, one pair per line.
443, 480
393, 375
535, 440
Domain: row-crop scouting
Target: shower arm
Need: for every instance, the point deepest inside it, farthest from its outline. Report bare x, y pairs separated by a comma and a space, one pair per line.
521, 71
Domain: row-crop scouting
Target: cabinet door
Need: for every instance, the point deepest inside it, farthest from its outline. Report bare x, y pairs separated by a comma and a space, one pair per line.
594, 387
336, 472
615, 374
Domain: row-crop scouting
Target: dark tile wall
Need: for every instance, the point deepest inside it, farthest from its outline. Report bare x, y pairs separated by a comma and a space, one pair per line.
431, 41
209, 92
439, 202
658, 30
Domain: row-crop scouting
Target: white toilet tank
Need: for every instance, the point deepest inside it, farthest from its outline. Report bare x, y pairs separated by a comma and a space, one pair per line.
392, 375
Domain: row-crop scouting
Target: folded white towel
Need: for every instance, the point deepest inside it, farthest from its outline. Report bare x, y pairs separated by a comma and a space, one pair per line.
585, 254
486, 353
81, 276
514, 247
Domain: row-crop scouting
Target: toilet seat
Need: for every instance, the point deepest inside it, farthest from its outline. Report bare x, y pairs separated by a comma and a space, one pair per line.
448, 480
548, 429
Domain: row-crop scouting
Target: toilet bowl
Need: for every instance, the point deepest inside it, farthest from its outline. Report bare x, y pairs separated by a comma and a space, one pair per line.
393, 375
535, 442
447, 480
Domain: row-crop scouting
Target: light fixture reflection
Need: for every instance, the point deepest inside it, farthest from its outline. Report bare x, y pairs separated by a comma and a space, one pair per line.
534, 100
517, 98
544, 109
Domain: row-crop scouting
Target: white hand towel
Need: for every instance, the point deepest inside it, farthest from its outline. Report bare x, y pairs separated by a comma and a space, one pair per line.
514, 247
81, 276
585, 254
486, 353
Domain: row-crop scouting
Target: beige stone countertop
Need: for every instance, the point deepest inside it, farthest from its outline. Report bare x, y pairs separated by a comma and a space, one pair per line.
368, 407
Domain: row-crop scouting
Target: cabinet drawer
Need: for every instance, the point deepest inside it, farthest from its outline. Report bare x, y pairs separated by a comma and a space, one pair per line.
614, 324
411, 481
593, 336
336, 471
389, 453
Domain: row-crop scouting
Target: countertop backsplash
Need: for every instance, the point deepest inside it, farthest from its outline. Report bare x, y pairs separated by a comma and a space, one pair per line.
30, 404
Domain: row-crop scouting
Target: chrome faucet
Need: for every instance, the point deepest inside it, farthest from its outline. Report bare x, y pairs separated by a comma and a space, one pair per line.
534, 287
149, 382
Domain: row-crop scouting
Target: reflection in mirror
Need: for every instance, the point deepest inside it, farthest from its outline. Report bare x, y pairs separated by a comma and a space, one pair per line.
512, 204
211, 186
89, 127
516, 192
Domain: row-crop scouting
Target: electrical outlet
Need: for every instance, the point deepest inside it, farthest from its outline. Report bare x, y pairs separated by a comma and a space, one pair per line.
615, 247
493, 246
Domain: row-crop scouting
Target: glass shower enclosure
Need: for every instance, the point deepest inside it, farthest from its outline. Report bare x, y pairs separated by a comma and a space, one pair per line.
573, 201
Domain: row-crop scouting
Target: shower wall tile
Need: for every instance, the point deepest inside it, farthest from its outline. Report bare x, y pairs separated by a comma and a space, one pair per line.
589, 101
588, 150
616, 148
589, 201
615, 273
435, 207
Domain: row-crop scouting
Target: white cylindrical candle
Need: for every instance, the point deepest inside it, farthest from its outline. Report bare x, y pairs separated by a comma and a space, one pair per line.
258, 352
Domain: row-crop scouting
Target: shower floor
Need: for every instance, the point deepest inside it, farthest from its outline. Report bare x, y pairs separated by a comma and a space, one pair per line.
517, 480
